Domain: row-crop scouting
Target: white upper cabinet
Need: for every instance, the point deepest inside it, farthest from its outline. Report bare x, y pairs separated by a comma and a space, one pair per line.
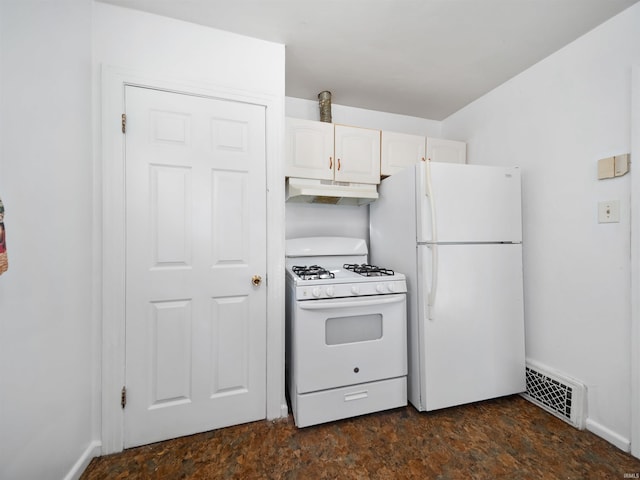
400, 150
447, 151
357, 154
325, 151
309, 149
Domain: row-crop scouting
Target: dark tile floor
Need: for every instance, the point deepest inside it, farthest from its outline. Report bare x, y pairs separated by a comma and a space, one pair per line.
503, 438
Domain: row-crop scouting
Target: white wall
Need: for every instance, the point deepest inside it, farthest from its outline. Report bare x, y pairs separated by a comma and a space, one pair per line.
46, 323
174, 49
556, 120
360, 117
304, 220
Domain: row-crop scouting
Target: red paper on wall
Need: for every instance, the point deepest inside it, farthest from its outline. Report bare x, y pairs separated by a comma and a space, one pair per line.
4, 263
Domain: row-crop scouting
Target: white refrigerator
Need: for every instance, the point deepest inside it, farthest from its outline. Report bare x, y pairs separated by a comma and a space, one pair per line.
455, 231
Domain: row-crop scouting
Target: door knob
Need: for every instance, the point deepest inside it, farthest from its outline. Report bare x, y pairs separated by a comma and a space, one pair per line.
256, 280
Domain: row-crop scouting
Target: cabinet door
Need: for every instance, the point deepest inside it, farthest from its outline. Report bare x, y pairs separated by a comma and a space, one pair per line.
400, 151
309, 149
448, 151
357, 154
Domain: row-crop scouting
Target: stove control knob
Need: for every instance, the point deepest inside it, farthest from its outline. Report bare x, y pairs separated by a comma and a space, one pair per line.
316, 292
391, 287
380, 288
355, 289
330, 291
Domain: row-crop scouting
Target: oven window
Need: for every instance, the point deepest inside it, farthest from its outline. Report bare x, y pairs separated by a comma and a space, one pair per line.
357, 328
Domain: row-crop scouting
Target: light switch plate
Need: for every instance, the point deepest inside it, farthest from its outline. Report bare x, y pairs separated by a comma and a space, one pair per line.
609, 211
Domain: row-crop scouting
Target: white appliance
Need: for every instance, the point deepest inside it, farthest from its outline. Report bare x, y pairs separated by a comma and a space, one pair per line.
456, 233
346, 331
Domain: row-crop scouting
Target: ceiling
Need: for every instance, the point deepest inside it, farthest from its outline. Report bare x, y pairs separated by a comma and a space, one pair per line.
424, 58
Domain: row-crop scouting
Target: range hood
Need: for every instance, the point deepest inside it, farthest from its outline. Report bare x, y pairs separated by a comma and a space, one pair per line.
308, 190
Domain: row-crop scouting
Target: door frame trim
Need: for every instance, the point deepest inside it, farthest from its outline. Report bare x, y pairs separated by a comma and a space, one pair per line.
112, 236
635, 264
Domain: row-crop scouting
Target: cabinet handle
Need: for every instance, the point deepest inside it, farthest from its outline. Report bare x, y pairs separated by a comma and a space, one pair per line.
338, 164
330, 163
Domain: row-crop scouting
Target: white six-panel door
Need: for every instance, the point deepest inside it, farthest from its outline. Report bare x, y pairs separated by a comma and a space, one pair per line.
195, 239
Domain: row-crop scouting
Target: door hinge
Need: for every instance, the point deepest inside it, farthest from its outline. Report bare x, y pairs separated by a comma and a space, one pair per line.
123, 397
124, 123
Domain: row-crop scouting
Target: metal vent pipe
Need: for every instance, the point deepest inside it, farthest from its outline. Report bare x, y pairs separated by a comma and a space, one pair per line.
324, 98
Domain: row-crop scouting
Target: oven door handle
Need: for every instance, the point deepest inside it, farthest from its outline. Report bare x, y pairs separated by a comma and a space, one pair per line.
324, 305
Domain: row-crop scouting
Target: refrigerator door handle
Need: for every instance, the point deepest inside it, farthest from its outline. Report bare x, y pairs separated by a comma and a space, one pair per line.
431, 297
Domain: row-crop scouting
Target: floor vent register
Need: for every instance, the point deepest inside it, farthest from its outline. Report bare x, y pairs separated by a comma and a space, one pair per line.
560, 396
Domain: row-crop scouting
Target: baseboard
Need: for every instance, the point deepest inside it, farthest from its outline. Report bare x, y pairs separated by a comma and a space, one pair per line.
281, 412
610, 436
93, 450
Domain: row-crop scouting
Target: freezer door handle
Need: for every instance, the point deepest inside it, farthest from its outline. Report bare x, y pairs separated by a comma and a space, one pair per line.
432, 202
431, 297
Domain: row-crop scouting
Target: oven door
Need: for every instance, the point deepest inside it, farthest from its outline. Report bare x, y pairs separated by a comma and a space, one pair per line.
346, 341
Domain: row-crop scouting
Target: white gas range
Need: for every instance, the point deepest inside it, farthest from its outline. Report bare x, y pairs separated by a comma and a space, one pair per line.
348, 280
346, 331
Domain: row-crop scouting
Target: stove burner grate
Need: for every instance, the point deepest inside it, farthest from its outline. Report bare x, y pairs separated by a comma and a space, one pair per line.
368, 270
313, 272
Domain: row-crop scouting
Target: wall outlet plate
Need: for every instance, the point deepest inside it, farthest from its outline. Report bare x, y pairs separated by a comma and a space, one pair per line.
609, 211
